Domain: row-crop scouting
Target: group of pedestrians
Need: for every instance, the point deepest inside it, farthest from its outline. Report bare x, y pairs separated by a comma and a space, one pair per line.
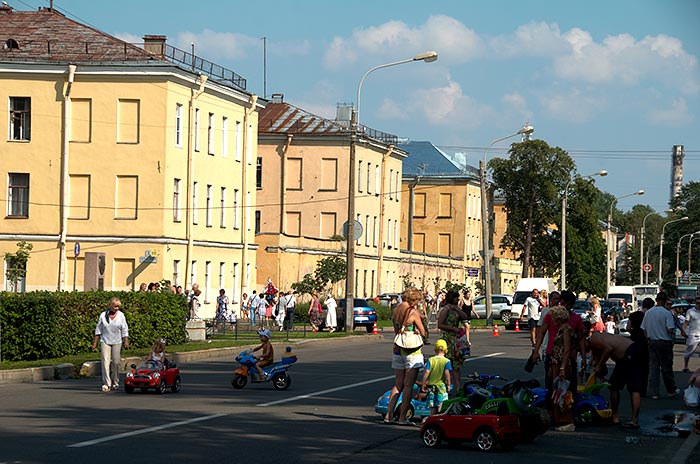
265, 309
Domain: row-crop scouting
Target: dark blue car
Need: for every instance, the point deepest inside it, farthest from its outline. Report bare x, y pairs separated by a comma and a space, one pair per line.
364, 315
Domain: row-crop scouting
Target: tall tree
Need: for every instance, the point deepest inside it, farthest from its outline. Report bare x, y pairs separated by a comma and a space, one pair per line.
530, 181
687, 203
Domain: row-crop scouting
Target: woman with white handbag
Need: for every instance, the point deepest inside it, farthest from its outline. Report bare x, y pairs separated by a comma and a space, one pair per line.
407, 358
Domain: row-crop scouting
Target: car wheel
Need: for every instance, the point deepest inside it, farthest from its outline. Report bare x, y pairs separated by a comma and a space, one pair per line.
505, 317
176, 385
431, 436
128, 389
239, 381
486, 440
409, 414
162, 386
585, 414
281, 381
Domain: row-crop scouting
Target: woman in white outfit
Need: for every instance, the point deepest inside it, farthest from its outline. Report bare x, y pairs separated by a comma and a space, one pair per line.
112, 331
331, 319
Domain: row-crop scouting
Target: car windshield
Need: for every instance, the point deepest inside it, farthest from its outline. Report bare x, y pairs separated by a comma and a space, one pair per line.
520, 297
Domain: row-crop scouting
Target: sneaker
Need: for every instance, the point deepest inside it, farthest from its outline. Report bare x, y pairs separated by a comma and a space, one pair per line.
566, 428
115, 387
105, 388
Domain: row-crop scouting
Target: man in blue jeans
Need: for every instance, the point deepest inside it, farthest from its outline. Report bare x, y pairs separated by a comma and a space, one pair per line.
659, 327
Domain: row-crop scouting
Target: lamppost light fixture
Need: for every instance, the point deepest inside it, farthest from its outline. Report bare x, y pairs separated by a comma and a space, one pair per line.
428, 57
602, 173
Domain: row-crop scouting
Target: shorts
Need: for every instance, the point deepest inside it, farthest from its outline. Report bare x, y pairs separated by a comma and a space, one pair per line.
407, 361
435, 398
692, 345
532, 324
629, 371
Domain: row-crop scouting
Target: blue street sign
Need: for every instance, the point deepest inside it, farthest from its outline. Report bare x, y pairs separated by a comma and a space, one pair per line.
76, 249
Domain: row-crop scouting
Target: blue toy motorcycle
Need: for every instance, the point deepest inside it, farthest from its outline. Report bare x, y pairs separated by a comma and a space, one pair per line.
275, 373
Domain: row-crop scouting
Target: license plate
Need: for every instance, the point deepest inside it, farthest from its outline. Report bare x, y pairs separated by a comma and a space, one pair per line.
362, 318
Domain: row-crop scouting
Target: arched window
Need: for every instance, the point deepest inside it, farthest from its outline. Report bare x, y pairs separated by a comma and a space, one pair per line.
12, 43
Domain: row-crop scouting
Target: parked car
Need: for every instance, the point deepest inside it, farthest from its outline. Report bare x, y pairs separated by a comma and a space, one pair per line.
500, 306
612, 308
363, 314
385, 299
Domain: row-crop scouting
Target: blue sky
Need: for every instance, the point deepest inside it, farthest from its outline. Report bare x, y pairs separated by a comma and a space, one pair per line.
615, 83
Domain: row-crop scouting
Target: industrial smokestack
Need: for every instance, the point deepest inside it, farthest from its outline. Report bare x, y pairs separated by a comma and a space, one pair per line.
676, 170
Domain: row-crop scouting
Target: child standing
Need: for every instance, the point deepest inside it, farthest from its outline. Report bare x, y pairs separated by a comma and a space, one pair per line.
436, 378
268, 353
610, 325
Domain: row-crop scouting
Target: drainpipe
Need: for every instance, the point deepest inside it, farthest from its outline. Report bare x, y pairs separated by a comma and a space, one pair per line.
194, 94
283, 206
382, 206
246, 212
65, 179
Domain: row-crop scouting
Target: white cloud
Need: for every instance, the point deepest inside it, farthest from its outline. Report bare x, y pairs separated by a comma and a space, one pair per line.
452, 39
517, 103
389, 109
218, 45
675, 115
575, 106
532, 39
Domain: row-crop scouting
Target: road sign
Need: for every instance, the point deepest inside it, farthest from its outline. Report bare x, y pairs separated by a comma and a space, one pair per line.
356, 229
679, 273
647, 267
472, 272
76, 249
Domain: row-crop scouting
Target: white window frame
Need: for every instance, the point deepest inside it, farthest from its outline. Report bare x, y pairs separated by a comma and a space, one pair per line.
222, 274
195, 210
210, 198
375, 231
177, 207
224, 137
207, 281
178, 125
234, 291
176, 272
377, 180
223, 208
210, 134
359, 176
18, 207
391, 183
367, 230
236, 208
398, 186
196, 129
20, 120
369, 177
193, 273
239, 141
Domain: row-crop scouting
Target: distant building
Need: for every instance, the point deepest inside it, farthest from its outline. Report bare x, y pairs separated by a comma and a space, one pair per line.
142, 154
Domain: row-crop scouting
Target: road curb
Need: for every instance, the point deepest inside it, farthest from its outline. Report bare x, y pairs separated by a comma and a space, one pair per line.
93, 368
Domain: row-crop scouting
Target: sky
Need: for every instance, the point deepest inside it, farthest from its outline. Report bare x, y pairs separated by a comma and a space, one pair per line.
614, 83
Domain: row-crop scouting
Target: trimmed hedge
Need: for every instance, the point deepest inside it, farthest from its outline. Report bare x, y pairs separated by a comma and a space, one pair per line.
44, 325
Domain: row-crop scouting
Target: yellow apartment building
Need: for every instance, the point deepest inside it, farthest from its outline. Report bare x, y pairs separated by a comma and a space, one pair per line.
507, 267
440, 219
144, 160
302, 198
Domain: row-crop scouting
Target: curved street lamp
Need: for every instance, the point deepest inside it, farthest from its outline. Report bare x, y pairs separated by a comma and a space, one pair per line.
526, 131
661, 245
601, 173
428, 57
678, 253
607, 236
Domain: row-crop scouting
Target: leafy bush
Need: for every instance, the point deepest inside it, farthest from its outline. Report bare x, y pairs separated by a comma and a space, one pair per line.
42, 325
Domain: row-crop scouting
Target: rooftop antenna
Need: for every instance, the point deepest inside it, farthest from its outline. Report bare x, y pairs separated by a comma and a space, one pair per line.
264, 39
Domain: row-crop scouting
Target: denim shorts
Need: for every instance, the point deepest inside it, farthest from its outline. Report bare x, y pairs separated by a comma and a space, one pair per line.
407, 361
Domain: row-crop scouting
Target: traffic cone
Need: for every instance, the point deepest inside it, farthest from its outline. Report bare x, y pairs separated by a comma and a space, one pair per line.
517, 326
495, 330
374, 329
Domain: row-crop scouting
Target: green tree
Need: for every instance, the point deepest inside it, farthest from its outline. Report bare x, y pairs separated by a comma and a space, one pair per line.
585, 255
530, 181
17, 264
687, 203
328, 271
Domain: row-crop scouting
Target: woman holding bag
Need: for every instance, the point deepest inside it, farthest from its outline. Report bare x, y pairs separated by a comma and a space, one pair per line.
451, 320
405, 361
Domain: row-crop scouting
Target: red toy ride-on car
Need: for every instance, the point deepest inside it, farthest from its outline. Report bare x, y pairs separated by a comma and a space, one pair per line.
153, 375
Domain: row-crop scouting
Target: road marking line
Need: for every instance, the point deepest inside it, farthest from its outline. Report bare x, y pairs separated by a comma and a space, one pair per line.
142, 431
359, 384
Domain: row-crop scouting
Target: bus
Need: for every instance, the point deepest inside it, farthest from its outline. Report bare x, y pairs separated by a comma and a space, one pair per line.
687, 292
645, 291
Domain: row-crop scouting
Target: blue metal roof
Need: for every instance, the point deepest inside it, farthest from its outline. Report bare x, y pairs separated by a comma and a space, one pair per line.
434, 160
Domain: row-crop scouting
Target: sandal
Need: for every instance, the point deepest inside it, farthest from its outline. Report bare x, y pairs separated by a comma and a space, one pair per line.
630, 425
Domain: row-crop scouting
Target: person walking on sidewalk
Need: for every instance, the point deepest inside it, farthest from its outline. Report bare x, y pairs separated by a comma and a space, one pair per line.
659, 327
113, 332
532, 307
691, 327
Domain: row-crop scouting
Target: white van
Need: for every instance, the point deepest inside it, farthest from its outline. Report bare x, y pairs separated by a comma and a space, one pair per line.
624, 292
522, 291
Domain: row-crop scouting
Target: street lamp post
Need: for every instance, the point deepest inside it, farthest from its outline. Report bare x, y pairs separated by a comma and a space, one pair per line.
678, 253
428, 57
641, 248
564, 201
485, 239
607, 236
661, 245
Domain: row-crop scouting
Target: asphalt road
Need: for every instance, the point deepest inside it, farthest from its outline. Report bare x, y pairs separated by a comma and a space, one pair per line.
326, 415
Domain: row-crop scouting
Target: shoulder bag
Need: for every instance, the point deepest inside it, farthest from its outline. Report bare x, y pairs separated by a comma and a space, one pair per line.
408, 339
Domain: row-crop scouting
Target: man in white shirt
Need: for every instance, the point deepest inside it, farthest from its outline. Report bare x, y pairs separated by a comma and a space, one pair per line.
291, 306
659, 327
531, 308
691, 327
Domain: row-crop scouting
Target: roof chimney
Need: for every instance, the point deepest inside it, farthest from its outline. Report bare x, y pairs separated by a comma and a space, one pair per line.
155, 44
5, 8
277, 98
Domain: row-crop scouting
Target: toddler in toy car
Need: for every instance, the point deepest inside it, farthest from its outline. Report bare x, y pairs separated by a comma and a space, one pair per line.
156, 358
268, 353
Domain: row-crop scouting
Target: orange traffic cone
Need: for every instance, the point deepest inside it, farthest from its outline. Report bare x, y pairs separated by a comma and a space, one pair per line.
517, 326
374, 329
495, 330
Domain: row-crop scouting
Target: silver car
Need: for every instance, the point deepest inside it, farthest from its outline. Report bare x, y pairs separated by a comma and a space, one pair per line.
500, 305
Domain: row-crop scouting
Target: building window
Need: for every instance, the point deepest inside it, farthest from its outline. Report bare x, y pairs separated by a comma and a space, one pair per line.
128, 121
397, 242
127, 197
397, 191
419, 205
210, 134
210, 193
367, 230
207, 281
195, 210
257, 222
249, 144
445, 205
81, 120
375, 230
377, 181
176, 272
389, 234
236, 213
196, 129
369, 177
79, 187
239, 141
391, 183
18, 284
18, 195
176, 200
329, 174
258, 174
222, 267
178, 125
293, 171
193, 273
20, 118
11, 44
234, 292
223, 207
293, 223
328, 224
224, 137
359, 176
